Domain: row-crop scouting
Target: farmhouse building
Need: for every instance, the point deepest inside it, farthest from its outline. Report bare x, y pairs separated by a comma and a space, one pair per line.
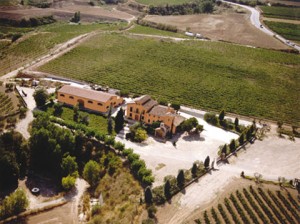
147, 110
97, 101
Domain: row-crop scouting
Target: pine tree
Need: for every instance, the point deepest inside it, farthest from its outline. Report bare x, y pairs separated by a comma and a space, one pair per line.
148, 195
222, 115
109, 126
194, 170
206, 162
180, 178
224, 149
119, 121
167, 189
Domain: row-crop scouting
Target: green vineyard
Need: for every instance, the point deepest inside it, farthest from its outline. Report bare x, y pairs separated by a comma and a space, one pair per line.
6, 104
252, 205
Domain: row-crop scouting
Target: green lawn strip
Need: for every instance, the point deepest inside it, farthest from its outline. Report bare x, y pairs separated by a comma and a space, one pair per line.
96, 122
152, 31
287, 30
281, 12
210, 75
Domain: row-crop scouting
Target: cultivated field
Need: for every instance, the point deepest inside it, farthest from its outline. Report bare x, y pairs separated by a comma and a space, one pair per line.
137, 29
281, 12
254, 204
287, 30
64, 10
38, 43
195, 73
163, 2
230, 27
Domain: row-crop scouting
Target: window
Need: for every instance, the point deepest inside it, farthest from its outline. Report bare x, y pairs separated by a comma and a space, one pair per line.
130, 115
100, 104
71, 97
148, 120
90, 101
107, 107
137, 111
130, 109
62, 95
142, 117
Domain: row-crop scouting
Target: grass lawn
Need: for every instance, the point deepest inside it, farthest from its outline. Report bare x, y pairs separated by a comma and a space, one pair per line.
281, 12
287, 30
153, 31
97, 122
209, 75
163, 2
33, 45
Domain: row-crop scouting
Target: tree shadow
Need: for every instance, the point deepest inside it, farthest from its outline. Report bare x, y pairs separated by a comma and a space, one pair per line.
193, 137
49, 187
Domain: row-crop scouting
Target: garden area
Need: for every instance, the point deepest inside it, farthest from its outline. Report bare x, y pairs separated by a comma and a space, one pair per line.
217, 71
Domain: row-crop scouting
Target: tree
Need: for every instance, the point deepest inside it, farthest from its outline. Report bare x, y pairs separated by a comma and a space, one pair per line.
242, 138
248, 134
232, 145
189, 124
167, 189
151, 211
15, 203
224, 149
91, 173
76, 17
9, 169
176, 106
236, 122
140, 135
58, 109
68, 182
40, 96
222, 115
180, 179
76, 112
69, 166
194, 170
109, 126
148, 195
206, 162
211, 118
119, 121
119, 146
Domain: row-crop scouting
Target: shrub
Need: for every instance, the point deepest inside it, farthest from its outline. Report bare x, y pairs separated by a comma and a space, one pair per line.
140, 135
68, 182
211, 118
40, 96
151, 211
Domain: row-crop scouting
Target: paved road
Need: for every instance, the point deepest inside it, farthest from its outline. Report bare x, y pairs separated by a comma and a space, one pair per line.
255, 20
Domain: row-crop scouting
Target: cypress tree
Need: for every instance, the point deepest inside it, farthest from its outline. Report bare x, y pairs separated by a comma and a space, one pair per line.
206, 162
119, 121
148, 195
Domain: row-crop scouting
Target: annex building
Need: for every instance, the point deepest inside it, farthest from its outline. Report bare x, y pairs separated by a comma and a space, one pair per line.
147, 110
97, 101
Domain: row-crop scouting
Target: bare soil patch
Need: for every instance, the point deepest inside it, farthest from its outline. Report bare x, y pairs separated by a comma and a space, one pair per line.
230, 27
64, 10
282, 20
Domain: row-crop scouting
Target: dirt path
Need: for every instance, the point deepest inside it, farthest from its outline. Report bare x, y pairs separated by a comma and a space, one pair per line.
281, 20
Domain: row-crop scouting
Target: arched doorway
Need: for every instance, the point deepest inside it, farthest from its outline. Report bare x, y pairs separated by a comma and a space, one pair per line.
80, 103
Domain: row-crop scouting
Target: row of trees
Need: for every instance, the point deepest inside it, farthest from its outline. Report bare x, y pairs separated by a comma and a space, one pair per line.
220, 121
174, 184
205, 6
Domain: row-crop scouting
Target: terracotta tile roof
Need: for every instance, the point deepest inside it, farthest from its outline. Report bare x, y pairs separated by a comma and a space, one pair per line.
142, 99
149, 104
98, 96
178, 120
159, 110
